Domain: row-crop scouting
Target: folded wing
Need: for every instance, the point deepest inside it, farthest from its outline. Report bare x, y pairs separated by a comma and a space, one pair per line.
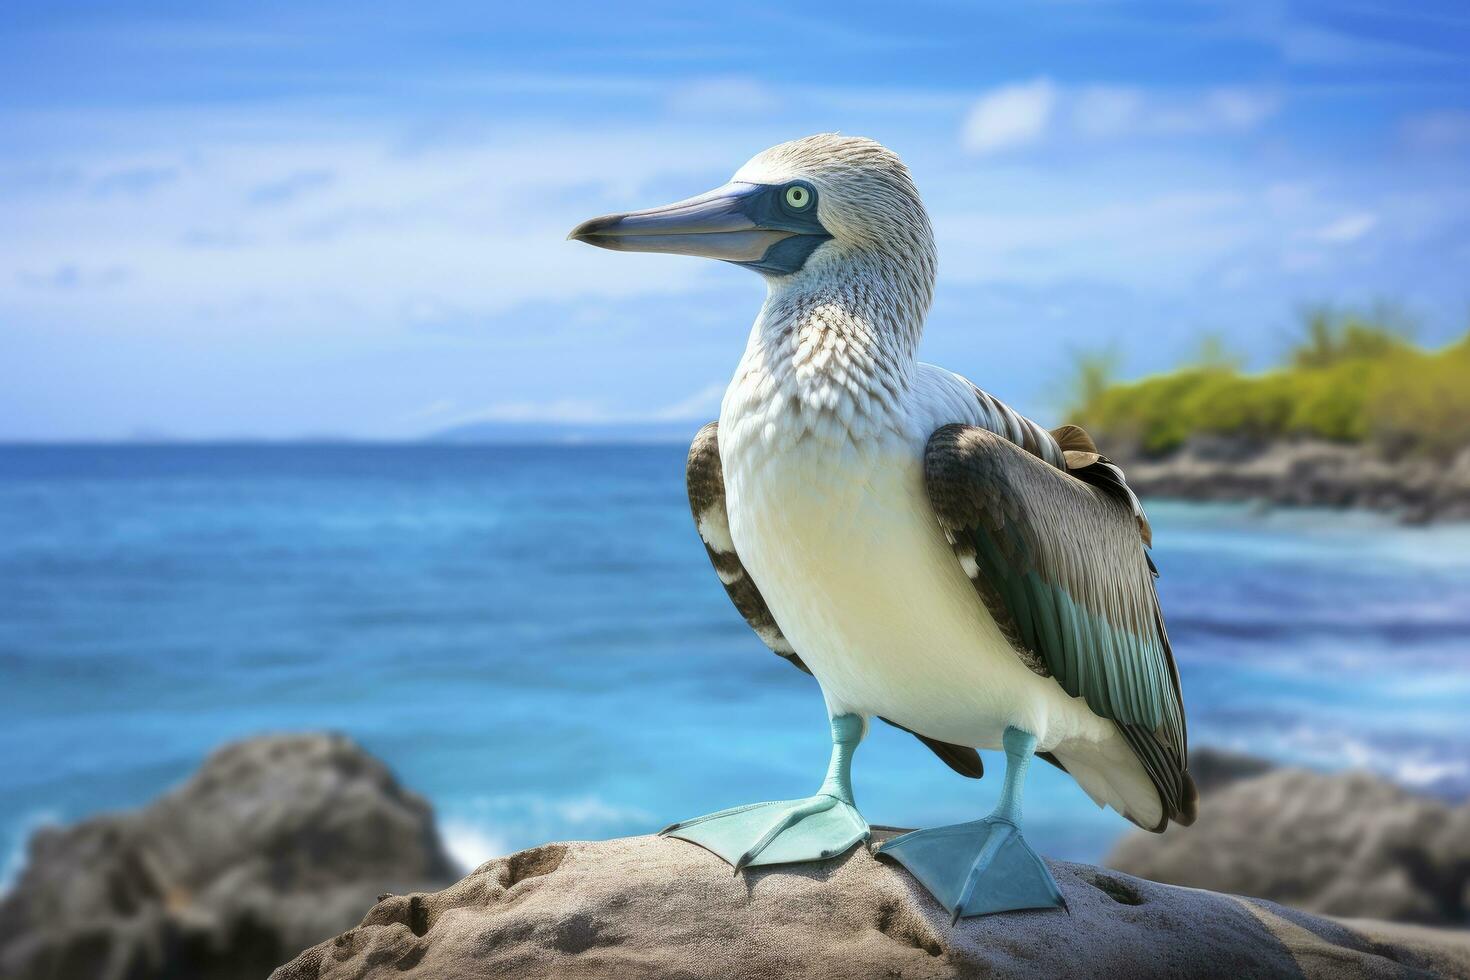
1058, 558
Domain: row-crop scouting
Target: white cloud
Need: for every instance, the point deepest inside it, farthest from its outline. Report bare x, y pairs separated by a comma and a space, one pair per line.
393, 238
1133, 236
1021, 115
702, 405
1347, 229
1010, 117
1307, 44
432, 262
573, 410
1109, 112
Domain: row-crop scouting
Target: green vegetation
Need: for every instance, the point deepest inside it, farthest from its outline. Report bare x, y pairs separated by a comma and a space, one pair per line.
1350, 377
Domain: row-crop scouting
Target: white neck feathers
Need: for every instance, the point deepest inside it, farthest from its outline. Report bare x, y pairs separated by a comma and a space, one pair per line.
830, 358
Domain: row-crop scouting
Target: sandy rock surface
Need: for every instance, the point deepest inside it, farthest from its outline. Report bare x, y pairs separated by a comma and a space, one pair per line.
652, 907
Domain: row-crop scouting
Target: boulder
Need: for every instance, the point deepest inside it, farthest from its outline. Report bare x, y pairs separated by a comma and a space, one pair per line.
663, 908
273, 844
1346, 844
1213, 768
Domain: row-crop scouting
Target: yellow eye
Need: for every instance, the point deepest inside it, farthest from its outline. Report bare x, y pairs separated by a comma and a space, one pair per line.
798, 197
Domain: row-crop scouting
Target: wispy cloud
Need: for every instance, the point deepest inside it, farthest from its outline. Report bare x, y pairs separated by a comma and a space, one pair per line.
334, 220
1438, 129
704, 403
1347, 229
133, 180
1010, 117
70, 277
701, 405
1028, 114
289, 188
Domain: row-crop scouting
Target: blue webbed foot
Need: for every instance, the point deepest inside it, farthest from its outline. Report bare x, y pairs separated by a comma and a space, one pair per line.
821, 826
977, 868
784, 832
983, 866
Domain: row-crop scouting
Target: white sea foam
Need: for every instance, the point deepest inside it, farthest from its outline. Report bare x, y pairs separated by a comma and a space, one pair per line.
470, 844
484, 827
15, 860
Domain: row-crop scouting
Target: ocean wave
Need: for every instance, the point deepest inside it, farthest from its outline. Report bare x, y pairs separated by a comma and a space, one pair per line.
20, 837
478, 828
1417, 762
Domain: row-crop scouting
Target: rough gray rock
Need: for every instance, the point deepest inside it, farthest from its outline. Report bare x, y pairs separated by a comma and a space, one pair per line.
1214, 768
1302, 473
273, 844
659, 907
1348, 844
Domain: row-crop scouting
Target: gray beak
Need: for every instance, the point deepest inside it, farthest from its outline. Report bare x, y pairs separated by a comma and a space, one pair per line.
718, 225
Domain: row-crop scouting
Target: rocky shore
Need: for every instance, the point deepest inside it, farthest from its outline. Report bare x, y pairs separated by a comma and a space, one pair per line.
274, 843
277, 843
1305, 473
1342, 844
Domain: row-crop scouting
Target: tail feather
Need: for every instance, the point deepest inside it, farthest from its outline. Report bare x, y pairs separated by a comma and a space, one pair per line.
1129, 772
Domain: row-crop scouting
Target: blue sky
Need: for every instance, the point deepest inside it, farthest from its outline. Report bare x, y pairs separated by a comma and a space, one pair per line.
282, 220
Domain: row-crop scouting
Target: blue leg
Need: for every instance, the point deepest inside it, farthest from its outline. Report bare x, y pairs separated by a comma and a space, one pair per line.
984, 866
821, 826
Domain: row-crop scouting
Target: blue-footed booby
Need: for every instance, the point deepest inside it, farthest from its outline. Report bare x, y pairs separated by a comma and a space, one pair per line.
931, 557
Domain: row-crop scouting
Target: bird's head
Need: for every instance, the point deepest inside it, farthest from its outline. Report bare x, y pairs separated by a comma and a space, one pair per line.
798, 210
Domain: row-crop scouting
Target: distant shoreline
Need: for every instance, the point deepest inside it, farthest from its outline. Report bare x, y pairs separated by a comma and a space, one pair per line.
1207, 469
1306, 473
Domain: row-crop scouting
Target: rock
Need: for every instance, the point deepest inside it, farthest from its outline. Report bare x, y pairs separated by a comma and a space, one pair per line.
1213, 768
1348, 844
274, 843
1300, 472
659, 907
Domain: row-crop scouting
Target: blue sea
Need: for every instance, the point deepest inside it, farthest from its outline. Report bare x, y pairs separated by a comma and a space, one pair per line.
532, 638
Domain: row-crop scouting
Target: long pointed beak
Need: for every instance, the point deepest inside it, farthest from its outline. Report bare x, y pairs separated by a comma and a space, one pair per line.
717, 225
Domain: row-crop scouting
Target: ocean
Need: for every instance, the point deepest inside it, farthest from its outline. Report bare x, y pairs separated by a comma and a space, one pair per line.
533, 639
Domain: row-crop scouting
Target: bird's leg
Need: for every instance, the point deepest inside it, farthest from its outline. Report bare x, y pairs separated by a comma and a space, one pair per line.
821, 826
983, 866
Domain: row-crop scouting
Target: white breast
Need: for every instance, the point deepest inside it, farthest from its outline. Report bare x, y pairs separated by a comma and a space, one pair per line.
836, 530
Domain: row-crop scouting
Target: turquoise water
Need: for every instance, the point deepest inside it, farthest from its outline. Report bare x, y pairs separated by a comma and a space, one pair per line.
533, 639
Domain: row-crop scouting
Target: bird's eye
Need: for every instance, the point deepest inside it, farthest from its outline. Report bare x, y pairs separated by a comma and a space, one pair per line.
798, 197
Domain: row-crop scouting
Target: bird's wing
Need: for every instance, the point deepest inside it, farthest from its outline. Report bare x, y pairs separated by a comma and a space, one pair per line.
1058, 557
705, 478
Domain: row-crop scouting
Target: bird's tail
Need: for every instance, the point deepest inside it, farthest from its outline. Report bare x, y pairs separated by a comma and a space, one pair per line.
1113, 775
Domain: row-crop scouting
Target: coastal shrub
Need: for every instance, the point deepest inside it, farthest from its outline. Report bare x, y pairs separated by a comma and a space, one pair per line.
1330, 403
1422, 404
1145, 412
1349, 379
1228, 403
1331, 337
